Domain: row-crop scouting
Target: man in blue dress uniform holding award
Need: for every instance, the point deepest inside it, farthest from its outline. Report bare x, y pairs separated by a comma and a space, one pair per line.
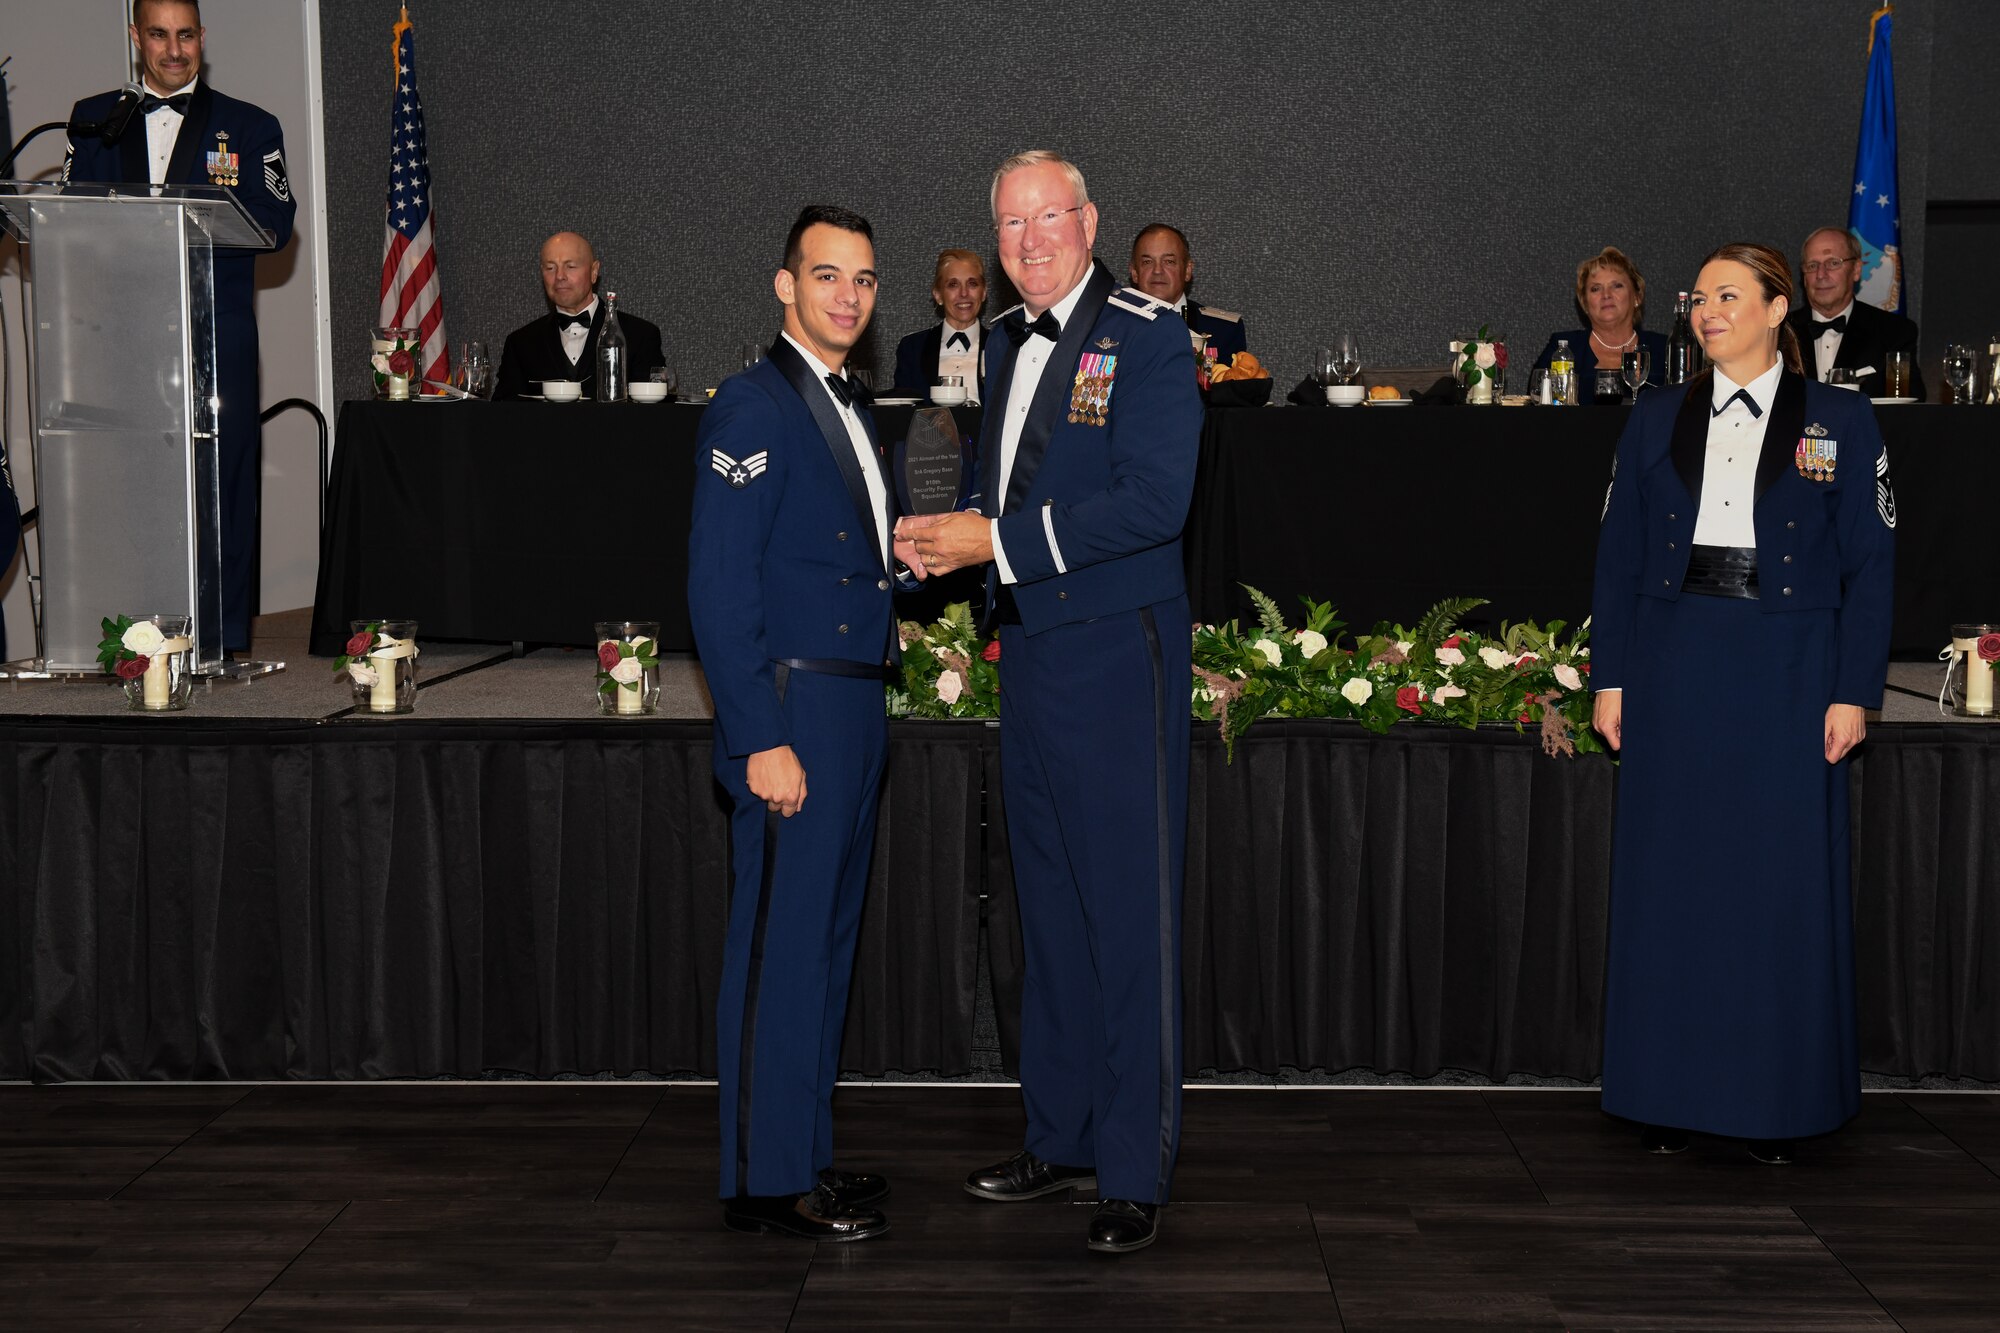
789, 590
1087, 470
186, 133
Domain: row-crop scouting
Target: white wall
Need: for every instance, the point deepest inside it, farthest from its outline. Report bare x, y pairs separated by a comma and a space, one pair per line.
264, 51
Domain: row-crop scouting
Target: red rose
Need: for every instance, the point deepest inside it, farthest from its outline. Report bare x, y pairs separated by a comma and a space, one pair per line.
1452, 642
992, 650
401, 363
1500, 355
1526, 658
360, 643
1989, 647
607, 654
133, 667
1410, 699
1584, 667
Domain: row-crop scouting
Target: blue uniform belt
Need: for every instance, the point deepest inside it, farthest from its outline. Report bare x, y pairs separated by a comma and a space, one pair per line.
1722, 571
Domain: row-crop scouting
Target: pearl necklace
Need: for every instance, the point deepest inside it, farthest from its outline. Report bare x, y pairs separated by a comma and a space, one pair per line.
1610, 346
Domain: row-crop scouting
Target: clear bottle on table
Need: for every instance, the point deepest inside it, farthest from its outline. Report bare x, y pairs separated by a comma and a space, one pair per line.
1562, 375
1683, 357
614, 364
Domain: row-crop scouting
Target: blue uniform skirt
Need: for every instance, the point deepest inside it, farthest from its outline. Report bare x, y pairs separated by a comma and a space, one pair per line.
1729, 988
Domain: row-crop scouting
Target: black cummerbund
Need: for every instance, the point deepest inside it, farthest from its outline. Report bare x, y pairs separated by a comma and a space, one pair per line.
1722, 571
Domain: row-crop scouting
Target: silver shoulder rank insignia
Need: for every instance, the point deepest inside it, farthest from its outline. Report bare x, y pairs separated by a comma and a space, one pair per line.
739, 474
1885, 494
1106, 344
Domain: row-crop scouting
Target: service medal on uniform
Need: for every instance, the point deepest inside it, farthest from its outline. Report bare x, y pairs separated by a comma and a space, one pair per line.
1816, 453
222, 168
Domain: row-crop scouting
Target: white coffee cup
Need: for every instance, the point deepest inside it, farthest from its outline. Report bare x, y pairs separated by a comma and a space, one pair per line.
1346, 395
646, 391
561, 391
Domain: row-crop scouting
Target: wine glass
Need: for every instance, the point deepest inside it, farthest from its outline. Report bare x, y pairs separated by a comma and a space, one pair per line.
1346, 358
1634, 366
1958, 363
1324, 373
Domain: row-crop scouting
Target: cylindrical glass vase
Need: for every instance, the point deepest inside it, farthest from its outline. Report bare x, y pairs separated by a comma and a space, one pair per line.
385, 677
1971, 682
626, 685
167, 683
385, 341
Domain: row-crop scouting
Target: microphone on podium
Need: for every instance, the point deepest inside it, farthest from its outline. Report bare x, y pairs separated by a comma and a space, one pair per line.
112, 128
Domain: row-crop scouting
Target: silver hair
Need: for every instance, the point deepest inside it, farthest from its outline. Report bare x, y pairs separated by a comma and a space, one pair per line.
1853, 246
1038, 157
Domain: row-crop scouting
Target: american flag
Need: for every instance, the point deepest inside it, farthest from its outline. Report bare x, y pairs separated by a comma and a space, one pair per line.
410, 295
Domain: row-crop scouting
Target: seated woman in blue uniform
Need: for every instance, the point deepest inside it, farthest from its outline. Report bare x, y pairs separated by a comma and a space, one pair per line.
955, 345
1741, 627
1611, 297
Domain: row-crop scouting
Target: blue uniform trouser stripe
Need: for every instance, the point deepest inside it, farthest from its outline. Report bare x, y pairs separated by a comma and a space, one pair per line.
1167, 916
747, 1056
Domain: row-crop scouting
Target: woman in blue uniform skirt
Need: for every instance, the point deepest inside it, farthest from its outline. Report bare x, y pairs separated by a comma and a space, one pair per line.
1741, 627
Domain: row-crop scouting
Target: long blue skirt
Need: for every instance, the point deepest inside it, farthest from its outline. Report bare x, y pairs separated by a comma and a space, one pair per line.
1729, 989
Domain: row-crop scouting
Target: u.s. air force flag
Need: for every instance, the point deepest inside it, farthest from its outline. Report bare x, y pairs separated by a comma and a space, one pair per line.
1873, 214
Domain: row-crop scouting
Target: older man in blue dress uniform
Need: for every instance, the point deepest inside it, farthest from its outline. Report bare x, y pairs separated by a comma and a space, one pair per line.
1162, 267
1087, 469
187, 133
789, 591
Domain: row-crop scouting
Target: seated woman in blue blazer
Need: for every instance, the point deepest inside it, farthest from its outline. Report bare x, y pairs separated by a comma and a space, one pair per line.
1611, 297
957, 344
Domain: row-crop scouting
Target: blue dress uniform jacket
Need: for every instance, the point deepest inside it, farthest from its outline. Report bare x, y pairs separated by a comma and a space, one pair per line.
917, 357
1094, 731
790, 598
1820, 544
264, 189
1223, 329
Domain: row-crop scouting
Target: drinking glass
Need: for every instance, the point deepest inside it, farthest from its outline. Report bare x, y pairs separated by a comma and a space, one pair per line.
1538, 387
1959, 362
666, 375
1634, 366
1346, 358
752, 353
866, 379
1896, 375
1324, 372
1840, 377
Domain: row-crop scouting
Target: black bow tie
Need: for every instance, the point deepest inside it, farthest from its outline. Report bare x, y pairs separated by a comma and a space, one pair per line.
1019, 327
849, 392
958, 339
563, 322
1838, 324
179, 102
1748, 401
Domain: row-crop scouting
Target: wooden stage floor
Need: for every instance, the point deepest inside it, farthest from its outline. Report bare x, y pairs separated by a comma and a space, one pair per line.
589, 1205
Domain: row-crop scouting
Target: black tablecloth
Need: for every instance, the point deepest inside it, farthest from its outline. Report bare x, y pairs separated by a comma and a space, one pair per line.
1387, 511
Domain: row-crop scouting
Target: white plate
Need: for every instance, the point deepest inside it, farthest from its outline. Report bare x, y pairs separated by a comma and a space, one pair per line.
897, 402
1391, 402
1891, 402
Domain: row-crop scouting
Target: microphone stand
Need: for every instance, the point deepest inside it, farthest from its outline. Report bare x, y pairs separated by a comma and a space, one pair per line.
7, 164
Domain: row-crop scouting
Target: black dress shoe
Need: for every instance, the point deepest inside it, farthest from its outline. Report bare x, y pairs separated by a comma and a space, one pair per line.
1026, 1176
1772, 1152
1663, 1140
1121, 1226
814, 1215
853, 1189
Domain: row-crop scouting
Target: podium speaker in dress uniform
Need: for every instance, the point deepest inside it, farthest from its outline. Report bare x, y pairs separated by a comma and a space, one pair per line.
1086, 483
562, 344
791, 566
1163, 267
1835, 329
1742, 605
190, 134
956, 344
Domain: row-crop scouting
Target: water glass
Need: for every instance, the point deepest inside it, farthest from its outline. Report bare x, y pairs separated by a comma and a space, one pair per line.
1538, 387
1324, 373
1960, 363
666, 375
1896, 379
751, 353
1346, 358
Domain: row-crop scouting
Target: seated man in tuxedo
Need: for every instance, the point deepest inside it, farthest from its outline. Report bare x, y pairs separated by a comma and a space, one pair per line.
956, 345
562, 344
1162, 266
1837, 331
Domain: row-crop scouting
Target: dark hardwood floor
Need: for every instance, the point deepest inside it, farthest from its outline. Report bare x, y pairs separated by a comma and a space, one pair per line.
590, 1206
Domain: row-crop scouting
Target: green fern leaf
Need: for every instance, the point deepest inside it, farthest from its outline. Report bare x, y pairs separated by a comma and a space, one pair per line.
1442, 619
1268, 614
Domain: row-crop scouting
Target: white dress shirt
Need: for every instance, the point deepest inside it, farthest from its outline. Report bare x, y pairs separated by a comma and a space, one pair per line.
574, 336
163, 129
1029, 363
864, 448
1827, 345
962, 361
1729, 472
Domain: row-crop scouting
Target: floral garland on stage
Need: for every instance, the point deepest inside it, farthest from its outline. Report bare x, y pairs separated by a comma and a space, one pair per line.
1525, 674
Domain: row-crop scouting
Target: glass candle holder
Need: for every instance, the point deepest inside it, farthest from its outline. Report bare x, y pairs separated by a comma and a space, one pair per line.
1970, 682
167, 683
385, 341
385, 678
624, 649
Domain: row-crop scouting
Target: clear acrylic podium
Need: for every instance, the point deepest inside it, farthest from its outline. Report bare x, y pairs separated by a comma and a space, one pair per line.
124, 405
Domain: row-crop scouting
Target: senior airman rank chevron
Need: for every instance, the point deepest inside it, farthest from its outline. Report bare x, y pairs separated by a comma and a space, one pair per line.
1816, 454
739, 474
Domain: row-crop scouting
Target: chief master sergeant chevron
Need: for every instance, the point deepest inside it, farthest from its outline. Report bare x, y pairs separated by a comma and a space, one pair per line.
1090, 473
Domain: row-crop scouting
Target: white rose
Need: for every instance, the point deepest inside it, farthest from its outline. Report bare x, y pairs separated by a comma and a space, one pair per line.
1495, 658
1449, 657
380, 362
1484, 357
1444, 692
1566, 676
362, 674
143, 638
627, 672
1310, 642
1358, 690
950, 685
1272, 652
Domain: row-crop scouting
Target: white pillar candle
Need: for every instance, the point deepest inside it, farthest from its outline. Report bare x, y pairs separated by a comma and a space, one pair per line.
158, 689
630, 700
1978, 678
382, 695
